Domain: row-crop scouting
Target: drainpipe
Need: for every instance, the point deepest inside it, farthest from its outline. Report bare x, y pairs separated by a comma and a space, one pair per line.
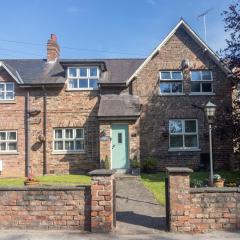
27, 140
44, 130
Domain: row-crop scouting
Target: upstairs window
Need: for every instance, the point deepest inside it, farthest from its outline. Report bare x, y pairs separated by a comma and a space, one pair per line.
183, 134
6, 91
83, 78
201, 82
8, 141
171, 82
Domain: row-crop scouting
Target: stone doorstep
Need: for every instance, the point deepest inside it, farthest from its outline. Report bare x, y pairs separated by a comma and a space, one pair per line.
125, 176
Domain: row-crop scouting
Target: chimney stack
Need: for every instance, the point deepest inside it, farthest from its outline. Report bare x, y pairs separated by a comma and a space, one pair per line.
53, 50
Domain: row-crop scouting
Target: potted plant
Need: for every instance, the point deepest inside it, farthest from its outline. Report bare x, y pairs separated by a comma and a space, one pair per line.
218, 181
150, 165
30, 180
135, 167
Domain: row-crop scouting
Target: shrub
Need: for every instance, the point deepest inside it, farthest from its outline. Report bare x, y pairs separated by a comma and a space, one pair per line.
134, 163
150, 164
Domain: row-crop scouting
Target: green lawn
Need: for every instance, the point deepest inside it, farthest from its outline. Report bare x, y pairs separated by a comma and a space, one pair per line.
63, 180
155, 183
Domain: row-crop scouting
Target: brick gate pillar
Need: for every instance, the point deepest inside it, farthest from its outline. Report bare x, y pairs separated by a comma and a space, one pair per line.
102, 200
178, 198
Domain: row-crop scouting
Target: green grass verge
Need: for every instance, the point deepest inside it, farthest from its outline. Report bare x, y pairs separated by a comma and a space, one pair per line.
155, 183
60, 180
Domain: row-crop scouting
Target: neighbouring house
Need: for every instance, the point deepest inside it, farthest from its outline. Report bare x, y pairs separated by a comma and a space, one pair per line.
70, 115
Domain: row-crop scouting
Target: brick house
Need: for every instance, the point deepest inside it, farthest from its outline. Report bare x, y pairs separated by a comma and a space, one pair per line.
70, 115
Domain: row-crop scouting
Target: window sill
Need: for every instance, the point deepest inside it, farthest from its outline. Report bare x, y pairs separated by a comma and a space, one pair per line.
81, 89
9, 153
7, 101
184, 150
172, 94
67, 152
202, 94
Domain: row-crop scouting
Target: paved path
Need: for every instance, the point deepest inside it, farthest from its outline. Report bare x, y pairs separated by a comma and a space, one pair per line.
74, 235
137, 210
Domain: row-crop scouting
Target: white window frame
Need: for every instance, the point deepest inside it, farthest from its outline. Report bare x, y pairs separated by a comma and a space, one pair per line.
5, 91
201, 81
183, 134
171, 80
9, 141
78, 77
64, 139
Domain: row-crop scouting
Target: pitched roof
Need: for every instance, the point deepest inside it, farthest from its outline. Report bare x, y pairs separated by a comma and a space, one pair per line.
39, 71
119, 106
198, 40
36, 71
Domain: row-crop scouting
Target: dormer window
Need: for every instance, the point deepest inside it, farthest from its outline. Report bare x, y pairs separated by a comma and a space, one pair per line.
6, 91
83, 78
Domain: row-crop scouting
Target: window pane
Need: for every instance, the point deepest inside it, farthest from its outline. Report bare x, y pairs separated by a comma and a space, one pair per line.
177, 75
72, 72
176, 141
9, 95
69, 145
79, 133
206, 87
1, 87
1, 95
165, 87
58, 134
119, 137
93, 83
69, 133
9, 86
79, 145
206, 75
3, 147
190, 126
58, 145
196, 76
195, 87
190, 140
175, 126
12, 136
165, 75
12, 146
73, 83
2, 135
176, 87
83, 72
93, 72
83, 83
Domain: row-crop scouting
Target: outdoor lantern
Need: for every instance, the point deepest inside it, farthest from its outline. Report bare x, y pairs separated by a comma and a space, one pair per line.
210, 110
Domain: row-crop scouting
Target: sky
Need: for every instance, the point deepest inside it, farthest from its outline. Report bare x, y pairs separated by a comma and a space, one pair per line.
102, 28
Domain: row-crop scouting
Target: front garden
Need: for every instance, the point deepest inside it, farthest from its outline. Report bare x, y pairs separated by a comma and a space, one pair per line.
155, 183
60, 180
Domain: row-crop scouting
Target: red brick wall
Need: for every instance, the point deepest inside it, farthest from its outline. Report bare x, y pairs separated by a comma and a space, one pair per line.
45, 208
201, 209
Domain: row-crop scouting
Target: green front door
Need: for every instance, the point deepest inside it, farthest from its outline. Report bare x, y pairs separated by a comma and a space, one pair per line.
119, 146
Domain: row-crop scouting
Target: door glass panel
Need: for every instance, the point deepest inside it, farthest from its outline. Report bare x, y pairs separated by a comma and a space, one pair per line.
119, 137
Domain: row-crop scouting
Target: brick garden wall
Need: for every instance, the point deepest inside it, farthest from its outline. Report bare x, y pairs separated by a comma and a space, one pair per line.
85, 208
201, 209
45, 208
